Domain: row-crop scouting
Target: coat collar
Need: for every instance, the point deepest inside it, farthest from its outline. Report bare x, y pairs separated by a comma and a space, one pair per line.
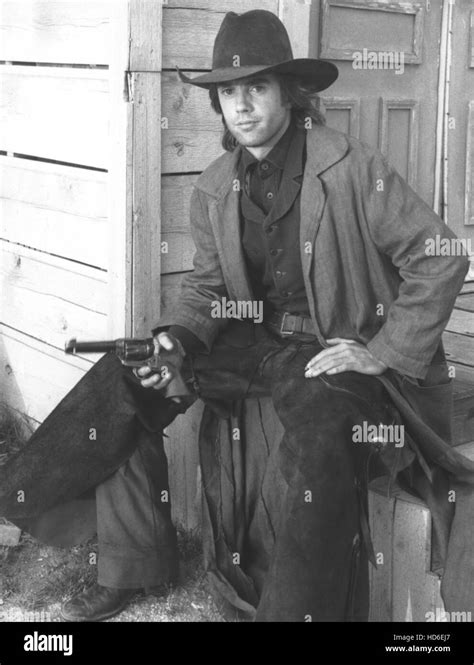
325, 147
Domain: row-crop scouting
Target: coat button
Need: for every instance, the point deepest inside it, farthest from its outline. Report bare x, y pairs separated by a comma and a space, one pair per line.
274, 252
269, 196
270, 230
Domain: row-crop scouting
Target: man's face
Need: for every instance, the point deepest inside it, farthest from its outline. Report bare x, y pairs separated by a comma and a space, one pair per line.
254, 111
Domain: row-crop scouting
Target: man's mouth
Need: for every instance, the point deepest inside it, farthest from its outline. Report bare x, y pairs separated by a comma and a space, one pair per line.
247, 124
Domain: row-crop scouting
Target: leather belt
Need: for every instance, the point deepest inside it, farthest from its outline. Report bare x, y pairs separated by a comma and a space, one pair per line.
289, 324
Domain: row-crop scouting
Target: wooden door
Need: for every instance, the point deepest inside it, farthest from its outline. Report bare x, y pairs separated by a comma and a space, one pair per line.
389, 99
459, 184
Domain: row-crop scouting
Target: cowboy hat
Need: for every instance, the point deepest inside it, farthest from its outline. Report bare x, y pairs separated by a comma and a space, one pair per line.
256, 42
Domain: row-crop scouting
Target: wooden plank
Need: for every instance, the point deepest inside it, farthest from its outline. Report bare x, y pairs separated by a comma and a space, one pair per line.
459, 348
78, 192
416, 591
224, 6
34, 377
55, 113
186, 24
461, 322
192, 132
466, 302
120, 192
56, 31
296, 15
146, 164
57, 209
54, 208
380, 521
80, 238
49, 298
177, 253
145, 18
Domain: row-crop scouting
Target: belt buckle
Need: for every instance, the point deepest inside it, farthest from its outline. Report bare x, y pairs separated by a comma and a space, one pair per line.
283, 332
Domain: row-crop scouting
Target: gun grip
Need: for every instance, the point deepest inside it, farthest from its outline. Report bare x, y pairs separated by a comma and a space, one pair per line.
176, 387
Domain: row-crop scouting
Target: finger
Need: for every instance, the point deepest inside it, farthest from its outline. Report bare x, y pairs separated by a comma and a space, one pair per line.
157, 381
142, 371
324, 354
345, 367
327, 364
165, 341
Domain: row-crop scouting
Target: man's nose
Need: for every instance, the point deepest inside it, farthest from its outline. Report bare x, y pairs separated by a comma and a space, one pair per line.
242, 101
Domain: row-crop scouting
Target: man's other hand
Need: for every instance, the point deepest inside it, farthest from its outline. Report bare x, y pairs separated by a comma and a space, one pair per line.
344, 355
159, 381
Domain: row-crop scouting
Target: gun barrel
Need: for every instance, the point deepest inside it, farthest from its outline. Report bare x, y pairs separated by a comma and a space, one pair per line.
73, 346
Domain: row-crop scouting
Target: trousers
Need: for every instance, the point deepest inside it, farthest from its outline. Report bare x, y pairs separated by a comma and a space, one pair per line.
318, 564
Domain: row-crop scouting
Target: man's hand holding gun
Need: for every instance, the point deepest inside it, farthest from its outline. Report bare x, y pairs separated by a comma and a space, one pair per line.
156, 361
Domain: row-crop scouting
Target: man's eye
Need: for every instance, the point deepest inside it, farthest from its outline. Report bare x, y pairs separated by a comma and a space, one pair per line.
257, 88
226, 91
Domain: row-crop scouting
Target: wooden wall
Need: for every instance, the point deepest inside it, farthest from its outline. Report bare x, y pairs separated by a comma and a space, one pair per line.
54, 225
100, 145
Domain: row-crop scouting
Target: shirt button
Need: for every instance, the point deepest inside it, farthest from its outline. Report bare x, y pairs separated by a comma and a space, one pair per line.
269, 196
264, 166
279, 274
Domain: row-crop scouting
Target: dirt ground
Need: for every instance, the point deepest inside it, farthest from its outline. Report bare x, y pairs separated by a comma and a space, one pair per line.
35, 580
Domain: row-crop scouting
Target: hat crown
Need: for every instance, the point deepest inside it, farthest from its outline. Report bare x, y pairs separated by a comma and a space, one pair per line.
256, 38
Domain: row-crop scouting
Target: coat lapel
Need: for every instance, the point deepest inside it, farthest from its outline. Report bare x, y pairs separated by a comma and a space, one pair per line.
220, 182
325, 147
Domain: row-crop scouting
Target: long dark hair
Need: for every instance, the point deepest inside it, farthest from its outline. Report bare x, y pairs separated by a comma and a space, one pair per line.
304, 104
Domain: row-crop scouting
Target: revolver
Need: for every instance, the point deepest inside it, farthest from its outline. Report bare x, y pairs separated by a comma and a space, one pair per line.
137, 353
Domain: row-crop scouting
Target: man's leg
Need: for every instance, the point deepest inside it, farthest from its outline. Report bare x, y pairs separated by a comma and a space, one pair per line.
136, 537
318, 538
137, 540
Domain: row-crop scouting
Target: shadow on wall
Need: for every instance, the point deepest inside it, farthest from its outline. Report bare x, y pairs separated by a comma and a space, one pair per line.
12, 404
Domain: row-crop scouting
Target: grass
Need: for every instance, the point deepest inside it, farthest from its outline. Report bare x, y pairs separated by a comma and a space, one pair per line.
35, 579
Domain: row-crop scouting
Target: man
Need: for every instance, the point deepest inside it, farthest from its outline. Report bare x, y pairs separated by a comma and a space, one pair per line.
320, 231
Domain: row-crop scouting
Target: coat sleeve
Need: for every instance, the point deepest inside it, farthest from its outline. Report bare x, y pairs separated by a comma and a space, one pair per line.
406, 229
201, 287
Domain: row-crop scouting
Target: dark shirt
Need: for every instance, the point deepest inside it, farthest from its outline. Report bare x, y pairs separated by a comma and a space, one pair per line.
270, 223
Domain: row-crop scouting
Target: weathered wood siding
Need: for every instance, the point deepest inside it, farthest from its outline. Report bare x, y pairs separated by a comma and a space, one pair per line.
100, 145
54, 225
79, 193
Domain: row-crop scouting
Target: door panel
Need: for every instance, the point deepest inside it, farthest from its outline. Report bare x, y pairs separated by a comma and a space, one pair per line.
460, 133
393, 110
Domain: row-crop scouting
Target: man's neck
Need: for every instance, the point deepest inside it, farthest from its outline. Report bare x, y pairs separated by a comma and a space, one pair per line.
259, 152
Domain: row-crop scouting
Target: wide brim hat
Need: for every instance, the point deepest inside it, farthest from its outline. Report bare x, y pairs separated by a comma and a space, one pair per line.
257, 42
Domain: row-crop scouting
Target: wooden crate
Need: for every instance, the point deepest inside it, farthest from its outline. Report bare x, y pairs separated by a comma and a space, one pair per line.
402, 588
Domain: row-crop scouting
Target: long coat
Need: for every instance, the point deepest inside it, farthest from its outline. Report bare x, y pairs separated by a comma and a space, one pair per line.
364, 236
